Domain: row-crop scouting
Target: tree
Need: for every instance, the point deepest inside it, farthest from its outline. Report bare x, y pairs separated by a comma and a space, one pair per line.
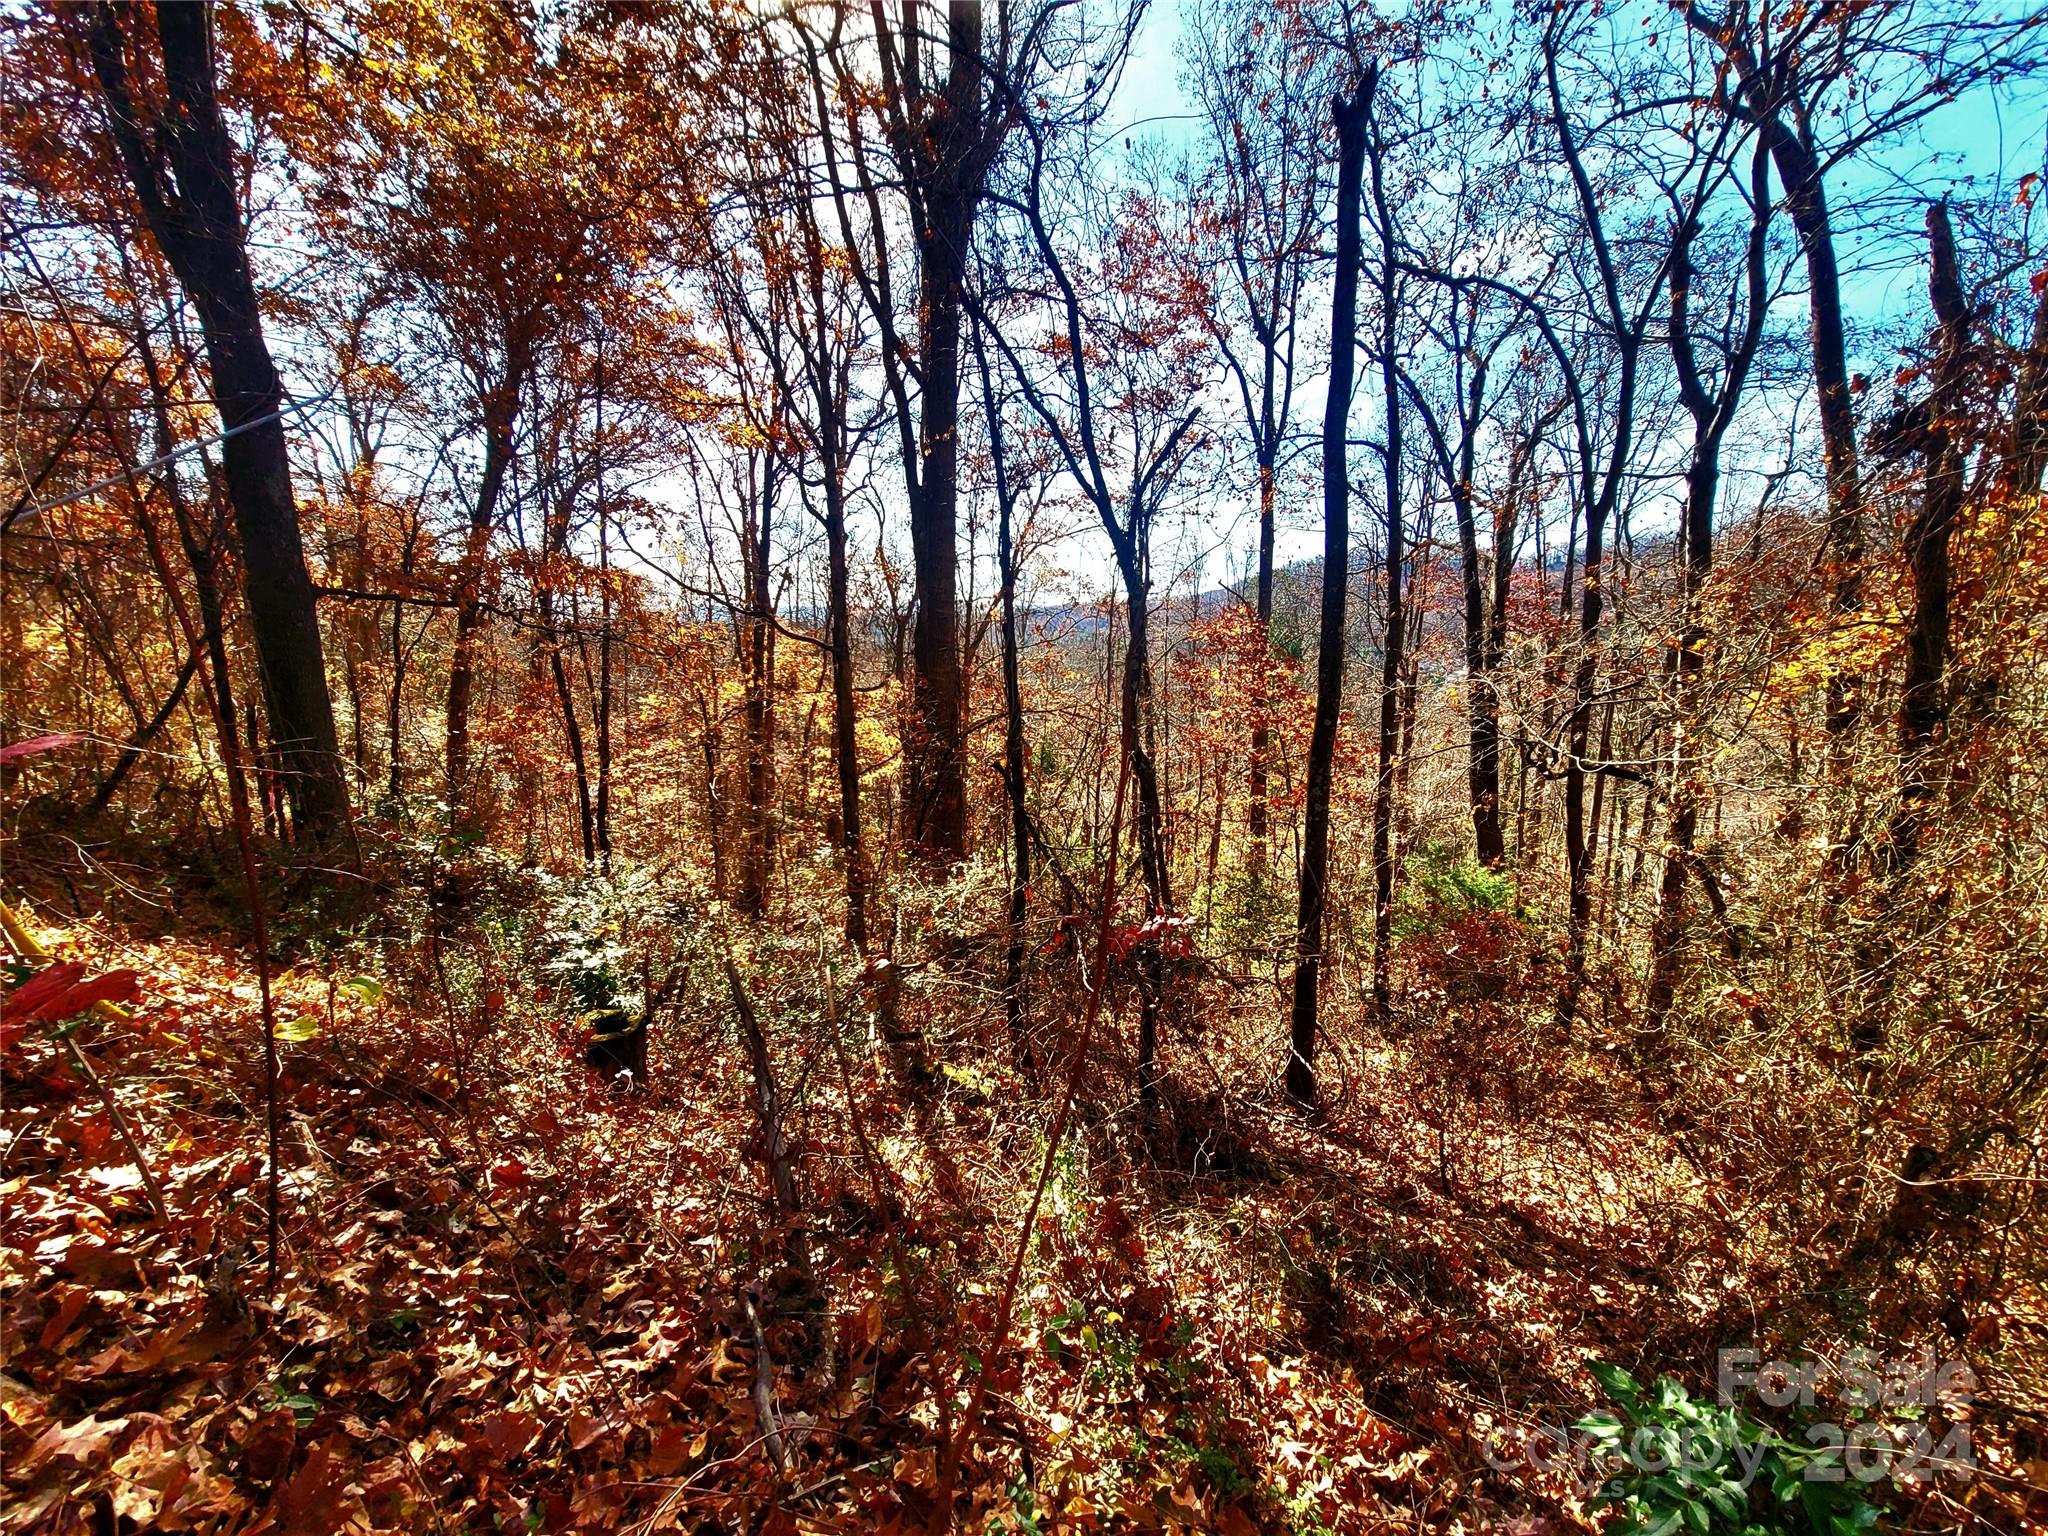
1712, 405
1109, 376
943, 136
1351, 118
180, 163
1257, 208
1783, 75
1938, 431
1621, 324
495, 180
1013, 713
1394, 637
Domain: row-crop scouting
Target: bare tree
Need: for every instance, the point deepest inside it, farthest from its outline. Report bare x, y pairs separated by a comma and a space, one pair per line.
1258, 206
1351, 118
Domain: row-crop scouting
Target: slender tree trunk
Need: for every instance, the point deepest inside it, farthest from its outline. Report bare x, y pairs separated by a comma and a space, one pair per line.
197, 223
1711, 418
1136, 737
1923, 705
1803, 177
601, 812
573, 730
1013, 734
499, 411
714, 798
1350, 117
756, 865
846, 755
394, 708
1262, 705
1667, 931
145, 732
1483, 699
2027, 444
1384, 854
1799, 171
201, 545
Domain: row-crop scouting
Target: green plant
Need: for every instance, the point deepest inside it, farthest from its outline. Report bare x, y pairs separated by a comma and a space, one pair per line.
597, 931
1681, 1464
1441, 884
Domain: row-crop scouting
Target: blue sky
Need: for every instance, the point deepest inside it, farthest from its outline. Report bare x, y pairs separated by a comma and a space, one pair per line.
1975, 148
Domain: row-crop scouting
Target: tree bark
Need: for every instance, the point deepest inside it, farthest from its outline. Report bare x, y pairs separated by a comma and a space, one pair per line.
1255, 813
1013, 734
1599, 494
1803, 178
845, 752
1482, 780
2027, 443
756, 865
601, 811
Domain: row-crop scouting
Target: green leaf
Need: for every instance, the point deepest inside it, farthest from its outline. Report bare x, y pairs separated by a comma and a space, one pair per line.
297, 1031
368, 988
304, 1409
1728, 1498
1616, 1382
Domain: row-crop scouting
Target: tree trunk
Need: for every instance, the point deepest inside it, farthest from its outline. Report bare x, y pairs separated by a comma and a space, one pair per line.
1137, 745
566, 696
950, 159
1799, 171
1350, 118
500, 409
1803, 178
188, 199
1711, 418
2027, 444
1667, 931
846, 756
601, 812
1256, 812
756, 864
1013, 734
1923, 706
1483, 702
145, 732
1384, 854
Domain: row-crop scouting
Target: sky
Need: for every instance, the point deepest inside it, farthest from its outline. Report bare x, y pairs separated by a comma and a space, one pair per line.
1987, 140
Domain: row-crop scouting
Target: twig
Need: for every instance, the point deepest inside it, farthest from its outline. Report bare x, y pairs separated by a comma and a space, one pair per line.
764, 1390
149, 1183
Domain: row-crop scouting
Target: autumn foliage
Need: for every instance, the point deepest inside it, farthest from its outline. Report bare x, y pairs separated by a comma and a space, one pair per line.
832, 768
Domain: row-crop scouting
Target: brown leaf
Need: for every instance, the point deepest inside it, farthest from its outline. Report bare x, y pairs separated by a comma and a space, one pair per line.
318, 1501
665, 1459
268, 1443
71, 1300
80, 1442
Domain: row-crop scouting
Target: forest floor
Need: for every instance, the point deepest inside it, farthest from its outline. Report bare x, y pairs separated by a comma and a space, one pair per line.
510, 1297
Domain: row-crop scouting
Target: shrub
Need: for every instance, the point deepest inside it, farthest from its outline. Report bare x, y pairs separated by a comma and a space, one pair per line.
1707, 1469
